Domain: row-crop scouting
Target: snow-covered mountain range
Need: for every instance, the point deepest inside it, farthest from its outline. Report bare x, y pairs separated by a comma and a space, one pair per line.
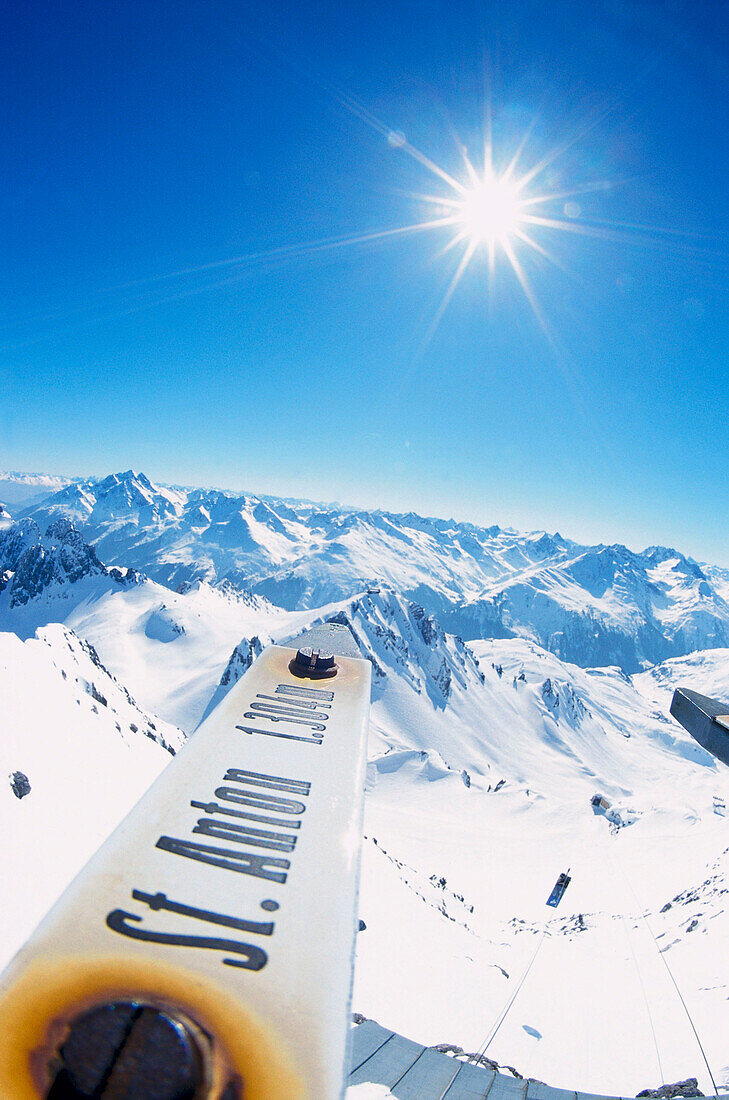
590, 605
515, 676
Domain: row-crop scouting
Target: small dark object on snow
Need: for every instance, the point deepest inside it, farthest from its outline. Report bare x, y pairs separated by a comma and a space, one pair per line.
689, 1087
559, 888
362, 925
19, 784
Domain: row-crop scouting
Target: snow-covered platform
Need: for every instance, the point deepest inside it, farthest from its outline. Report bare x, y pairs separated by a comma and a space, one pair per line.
414, 1072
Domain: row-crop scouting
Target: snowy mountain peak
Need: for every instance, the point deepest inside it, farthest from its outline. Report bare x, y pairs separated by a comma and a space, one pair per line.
393, 631
593, 605
117, 497
37, 561
485, 756
239, 662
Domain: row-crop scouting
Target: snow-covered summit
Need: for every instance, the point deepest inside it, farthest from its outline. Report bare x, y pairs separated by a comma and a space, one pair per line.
591, 605
31, 562
393, 631
603, 605
508, 711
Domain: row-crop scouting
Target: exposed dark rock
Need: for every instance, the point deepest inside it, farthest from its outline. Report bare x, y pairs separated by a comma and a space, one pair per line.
241, 660
96, 694
482, 1060
425, 623
443, 679
16, 540
19, 784
689, 1087
127, 579
550, 695
37, 561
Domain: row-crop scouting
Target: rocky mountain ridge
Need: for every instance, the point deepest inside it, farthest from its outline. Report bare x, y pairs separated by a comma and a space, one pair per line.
591, 605
32, 561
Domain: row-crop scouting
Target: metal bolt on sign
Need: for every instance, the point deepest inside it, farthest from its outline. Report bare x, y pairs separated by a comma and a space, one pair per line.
206, 951
129, 1049
310, 661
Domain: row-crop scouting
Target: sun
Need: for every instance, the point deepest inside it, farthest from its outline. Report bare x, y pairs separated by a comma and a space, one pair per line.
493, 209
490, 212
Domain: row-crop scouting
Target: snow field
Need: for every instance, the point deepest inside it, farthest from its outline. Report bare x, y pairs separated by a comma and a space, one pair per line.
84, 775
584, 996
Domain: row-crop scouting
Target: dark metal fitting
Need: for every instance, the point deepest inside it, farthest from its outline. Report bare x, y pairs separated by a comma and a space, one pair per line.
706, 719
314, 663
128, 1049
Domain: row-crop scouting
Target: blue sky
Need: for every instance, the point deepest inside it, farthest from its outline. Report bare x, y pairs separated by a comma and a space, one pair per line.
147, 147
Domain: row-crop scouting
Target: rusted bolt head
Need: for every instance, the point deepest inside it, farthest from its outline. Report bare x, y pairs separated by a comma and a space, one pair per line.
127, 1050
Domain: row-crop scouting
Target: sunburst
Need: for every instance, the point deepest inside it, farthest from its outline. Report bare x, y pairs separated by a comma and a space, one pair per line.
491, 208
492, 211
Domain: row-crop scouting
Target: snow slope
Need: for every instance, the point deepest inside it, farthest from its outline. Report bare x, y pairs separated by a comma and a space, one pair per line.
85, 752
170, 648
479, 789
456, 877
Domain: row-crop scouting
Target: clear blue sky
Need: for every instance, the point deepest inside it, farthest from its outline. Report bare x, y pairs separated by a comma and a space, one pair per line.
144, 141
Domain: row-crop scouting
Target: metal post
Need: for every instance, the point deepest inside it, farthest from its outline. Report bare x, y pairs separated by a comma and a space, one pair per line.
707, 720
